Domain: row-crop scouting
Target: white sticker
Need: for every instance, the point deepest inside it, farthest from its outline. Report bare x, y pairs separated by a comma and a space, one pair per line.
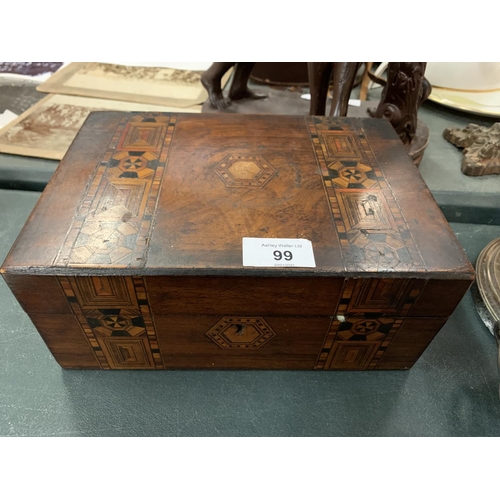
277, 252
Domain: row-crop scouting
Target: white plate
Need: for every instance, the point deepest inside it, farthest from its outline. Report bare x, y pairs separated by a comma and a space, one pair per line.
481, 103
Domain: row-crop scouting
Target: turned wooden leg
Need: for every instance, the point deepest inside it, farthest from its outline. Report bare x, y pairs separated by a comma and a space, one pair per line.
343, 80
319, 79
365, 81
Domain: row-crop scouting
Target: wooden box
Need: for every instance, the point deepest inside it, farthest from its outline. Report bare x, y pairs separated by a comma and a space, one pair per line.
132, 258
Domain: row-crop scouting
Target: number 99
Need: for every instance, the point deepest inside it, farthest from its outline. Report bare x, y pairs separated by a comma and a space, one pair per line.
278, 255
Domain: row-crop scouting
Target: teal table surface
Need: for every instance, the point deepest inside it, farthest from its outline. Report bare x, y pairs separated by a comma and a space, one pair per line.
451, 391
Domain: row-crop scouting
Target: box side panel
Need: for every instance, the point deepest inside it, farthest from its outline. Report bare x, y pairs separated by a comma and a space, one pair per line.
304, 296
440, 297
405, 297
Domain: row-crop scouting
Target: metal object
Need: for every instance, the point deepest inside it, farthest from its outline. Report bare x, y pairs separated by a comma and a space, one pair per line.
486, 290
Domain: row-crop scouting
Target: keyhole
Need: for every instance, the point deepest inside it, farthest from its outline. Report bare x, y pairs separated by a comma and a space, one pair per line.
240, 329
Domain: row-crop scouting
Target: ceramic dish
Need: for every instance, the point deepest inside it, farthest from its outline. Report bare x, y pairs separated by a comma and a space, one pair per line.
486, 103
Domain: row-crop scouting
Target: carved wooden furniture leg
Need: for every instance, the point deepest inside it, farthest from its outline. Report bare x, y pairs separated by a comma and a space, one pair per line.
343, 81
402, 97
239, 87
319, 78
211, 80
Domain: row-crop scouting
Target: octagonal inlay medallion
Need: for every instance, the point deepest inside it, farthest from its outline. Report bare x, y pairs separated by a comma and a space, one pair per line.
245, 171
241, 332
116, 322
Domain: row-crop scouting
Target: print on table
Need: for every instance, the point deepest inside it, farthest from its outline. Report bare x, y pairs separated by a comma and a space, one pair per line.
138, 73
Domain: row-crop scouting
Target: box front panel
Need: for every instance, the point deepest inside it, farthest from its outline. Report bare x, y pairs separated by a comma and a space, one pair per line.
244, 295
287, 342
118, 323
241, 342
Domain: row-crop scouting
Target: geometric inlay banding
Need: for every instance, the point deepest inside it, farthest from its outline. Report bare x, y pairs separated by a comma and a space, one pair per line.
116, 322
116, 214
357, 343
353, 355
241, 332
115, 317
383, 294
365, 329
122, 197
365, 209
93, 292
128, 354
360, 331
372, 231
350, 174
339, 146
142, 135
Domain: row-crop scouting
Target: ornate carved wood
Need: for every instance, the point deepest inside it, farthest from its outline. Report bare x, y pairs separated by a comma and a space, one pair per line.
481, 148
405, 90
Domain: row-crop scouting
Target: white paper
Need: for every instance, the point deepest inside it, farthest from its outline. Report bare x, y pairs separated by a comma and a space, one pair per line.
6, 117
277, 252
352, 102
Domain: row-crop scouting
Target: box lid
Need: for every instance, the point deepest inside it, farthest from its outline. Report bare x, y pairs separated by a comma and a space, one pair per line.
165, 193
